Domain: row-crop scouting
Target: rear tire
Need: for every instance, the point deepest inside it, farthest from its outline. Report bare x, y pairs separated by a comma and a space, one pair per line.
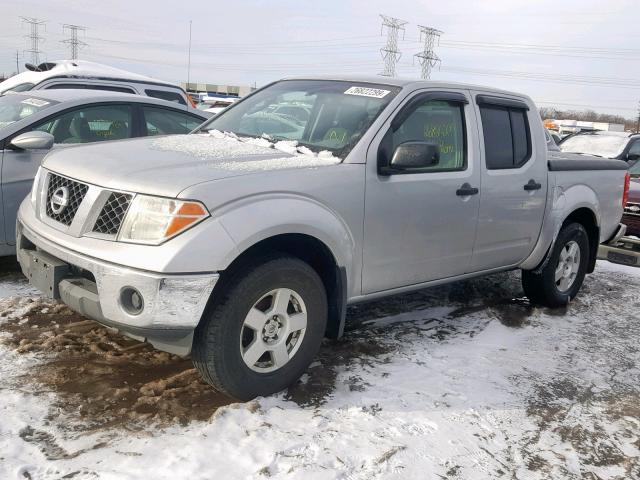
262, 332
559, 281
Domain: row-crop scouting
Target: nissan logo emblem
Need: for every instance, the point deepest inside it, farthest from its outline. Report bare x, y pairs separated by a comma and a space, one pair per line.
59, 200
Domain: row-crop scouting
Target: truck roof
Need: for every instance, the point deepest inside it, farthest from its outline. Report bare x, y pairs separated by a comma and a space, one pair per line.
404, 82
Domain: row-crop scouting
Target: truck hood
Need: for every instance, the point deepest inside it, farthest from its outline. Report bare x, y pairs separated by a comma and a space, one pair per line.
166, 166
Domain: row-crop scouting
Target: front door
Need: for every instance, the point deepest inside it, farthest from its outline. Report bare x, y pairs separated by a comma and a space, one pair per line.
420, 226
514, 182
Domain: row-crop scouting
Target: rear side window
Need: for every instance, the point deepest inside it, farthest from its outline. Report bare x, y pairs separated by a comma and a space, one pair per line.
82, 86
507, 141
166, 95
162, 121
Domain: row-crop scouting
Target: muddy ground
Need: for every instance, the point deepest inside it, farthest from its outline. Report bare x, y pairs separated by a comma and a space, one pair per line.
107, 380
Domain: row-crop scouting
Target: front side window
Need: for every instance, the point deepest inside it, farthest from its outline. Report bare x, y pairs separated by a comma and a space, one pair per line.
507, 142
162, 121
90, 124
318, 114
634, 151
440, 123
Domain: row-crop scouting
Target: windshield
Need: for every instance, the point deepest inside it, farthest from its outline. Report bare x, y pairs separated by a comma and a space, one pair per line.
318, 114
21, 87
16, 107
601, 145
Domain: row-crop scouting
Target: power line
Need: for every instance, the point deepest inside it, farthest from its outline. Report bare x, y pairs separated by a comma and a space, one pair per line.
73, 42
34, 37
390, 52
427, 58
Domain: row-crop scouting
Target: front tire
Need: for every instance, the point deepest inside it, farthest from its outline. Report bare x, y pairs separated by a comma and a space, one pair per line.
263, 331
559, 281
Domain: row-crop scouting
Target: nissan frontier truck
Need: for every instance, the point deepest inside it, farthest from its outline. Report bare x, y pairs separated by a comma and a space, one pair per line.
242, 243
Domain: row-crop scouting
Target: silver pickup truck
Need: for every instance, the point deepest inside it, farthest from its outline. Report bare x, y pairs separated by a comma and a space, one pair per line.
242, 243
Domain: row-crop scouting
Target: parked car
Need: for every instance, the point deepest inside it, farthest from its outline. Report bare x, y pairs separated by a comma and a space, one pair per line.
631, 217
80, 74
215, 105
34, 122
244, 248
616, 145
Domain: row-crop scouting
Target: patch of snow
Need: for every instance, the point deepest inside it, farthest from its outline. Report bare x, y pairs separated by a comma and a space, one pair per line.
455, 393
245, 154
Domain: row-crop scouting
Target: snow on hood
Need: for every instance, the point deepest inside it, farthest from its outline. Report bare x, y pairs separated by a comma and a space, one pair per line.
229, 146
168, 165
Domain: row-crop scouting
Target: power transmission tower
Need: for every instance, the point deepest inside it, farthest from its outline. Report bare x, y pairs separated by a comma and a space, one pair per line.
427, 57
74, 43
34, 37
390, 52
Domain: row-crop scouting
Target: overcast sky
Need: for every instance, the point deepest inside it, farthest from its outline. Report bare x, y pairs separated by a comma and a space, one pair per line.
573, 54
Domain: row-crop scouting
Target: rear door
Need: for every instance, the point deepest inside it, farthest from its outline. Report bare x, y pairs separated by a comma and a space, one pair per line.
420, 226
514, 181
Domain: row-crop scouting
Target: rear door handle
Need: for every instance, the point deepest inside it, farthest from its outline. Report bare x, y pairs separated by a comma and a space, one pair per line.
465, 190
532, 185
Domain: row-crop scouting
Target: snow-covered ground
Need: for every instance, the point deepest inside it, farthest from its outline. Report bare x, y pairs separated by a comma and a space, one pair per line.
462, 381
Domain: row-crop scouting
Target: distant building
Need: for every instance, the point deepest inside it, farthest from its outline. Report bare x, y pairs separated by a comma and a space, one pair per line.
238, 91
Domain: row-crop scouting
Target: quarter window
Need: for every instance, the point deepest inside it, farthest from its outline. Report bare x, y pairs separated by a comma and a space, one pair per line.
507, 143
440, 123
83, 86
166, 95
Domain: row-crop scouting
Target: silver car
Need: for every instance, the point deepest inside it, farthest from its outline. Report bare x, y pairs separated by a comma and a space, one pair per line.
32, 123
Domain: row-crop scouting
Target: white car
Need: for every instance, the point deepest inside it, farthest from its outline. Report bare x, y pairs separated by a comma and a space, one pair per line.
218, 104
80, 74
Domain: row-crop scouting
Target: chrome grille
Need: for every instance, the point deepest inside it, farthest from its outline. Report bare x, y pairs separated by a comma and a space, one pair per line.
75, 194
632, 209
112, 213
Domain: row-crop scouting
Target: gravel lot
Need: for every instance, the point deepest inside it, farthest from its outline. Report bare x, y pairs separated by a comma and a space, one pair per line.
463, 381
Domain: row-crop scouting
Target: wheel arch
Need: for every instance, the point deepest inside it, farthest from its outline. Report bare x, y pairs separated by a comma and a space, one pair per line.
312, 251
586, 217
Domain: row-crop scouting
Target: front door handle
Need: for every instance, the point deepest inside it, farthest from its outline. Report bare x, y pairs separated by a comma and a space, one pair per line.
532, 185
465, 190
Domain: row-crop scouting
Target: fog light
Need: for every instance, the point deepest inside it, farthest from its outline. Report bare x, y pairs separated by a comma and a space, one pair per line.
131, 301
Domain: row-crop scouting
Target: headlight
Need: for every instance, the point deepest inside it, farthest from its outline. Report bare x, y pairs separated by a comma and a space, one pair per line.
152, 220
35, 188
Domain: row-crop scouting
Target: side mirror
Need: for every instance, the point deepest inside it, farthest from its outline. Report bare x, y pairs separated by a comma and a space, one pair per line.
33, 141
414, 156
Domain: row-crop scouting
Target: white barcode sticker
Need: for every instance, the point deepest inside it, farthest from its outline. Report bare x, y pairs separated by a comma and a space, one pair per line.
367, 92
36, 102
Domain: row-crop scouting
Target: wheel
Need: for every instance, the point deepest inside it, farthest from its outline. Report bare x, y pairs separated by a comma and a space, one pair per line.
263, 331
561, 278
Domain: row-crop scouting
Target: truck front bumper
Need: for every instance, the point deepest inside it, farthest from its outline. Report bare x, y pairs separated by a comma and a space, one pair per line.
166, 307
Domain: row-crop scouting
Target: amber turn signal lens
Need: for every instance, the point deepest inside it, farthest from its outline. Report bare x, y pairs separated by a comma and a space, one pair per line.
187, 214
